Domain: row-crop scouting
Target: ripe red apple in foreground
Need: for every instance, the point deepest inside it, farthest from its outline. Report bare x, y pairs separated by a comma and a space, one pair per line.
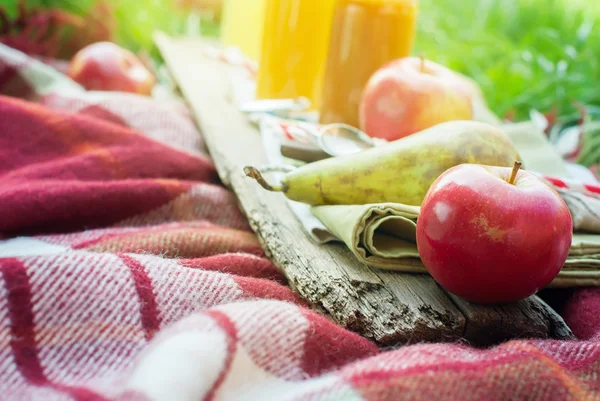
106, 66
411, 94
493, 235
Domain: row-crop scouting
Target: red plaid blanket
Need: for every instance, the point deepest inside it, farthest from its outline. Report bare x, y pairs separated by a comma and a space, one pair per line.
129, 273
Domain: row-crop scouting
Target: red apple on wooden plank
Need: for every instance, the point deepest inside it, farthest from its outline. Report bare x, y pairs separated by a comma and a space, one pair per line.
105, 66
493, 235
411, 94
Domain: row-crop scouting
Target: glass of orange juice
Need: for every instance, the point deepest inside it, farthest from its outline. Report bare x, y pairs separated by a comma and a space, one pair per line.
242, 25
294, 49
366, 34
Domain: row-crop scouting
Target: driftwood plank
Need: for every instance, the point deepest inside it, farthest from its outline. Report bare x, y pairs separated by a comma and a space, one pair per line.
530, 318
389, 308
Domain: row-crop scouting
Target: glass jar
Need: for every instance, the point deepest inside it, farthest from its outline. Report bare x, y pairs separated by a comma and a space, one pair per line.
294, 49
242, 25
366, 34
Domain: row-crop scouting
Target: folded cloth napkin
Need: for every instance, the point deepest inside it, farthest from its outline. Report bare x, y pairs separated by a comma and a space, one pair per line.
383, 236
379, 235
584, 208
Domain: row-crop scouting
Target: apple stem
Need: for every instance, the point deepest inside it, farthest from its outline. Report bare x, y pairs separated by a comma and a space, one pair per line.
422, 62
515, 170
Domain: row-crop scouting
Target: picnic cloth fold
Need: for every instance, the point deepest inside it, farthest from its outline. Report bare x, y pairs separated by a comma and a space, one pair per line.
127, 272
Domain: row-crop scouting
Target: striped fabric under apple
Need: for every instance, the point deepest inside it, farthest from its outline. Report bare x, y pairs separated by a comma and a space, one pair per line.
573, 185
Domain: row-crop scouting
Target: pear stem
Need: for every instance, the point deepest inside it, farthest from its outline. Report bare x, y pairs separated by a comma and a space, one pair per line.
515, 170
254, 173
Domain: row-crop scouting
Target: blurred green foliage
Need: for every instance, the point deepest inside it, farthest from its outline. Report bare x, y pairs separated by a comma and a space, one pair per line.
136, 20
524, 53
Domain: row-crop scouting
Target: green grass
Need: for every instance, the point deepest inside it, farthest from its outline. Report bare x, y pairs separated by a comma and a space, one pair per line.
136, 27
525, 54
72, 5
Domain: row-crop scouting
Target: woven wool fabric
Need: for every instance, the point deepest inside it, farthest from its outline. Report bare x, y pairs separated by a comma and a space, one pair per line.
127, 272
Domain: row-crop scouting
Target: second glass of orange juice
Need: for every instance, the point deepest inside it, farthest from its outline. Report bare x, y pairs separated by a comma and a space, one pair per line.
294, 49
366, 34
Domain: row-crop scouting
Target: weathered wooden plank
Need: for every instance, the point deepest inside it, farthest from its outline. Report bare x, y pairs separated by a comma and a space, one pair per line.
530, 318
389, 308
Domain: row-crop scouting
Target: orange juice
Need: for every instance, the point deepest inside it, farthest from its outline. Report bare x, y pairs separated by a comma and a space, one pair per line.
242, 25
366, 34
294, 50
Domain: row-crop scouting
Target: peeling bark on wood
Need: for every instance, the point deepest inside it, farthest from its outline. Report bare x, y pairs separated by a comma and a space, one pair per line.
389, 308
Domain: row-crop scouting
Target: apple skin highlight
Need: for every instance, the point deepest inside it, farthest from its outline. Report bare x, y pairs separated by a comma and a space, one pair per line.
489, 241
409, 95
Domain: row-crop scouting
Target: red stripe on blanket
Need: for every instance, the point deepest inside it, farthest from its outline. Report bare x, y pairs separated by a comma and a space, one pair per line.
176, 241
581, 313
103, 114
265, 289
232, 342
592, 188
329, 346
22, 341
20, 309
12, 82
449, 358
143, 285
61, 206
80, 393
239, 264
557, 183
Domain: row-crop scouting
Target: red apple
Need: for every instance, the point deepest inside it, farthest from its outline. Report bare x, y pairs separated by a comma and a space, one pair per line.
106, 66
411, 94
493, 235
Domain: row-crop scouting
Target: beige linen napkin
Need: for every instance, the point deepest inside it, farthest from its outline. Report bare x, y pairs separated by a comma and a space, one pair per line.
585, 210
535, 149
379, 235
582, 268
